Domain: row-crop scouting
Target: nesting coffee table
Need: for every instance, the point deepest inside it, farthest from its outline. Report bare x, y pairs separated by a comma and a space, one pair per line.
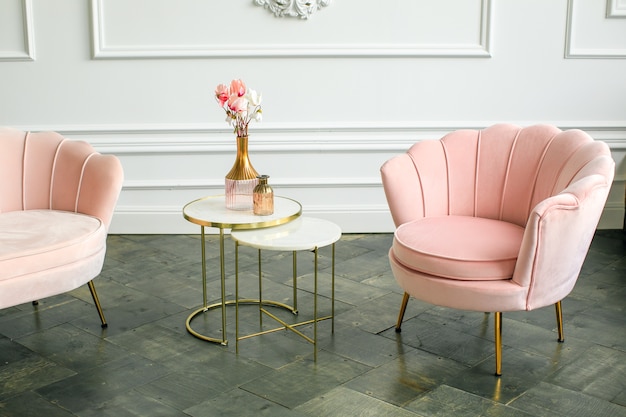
301, 234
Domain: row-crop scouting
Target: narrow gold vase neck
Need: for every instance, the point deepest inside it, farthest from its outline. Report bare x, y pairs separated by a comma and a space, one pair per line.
242, 168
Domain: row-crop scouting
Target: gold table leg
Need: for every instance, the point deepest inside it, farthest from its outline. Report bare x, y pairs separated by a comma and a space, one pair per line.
315, 307
284, 325
294, 278
332, 312
205, 308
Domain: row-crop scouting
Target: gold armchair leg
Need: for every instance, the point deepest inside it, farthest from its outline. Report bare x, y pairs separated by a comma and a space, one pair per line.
559, 321
96, 301
498, 334
405, 301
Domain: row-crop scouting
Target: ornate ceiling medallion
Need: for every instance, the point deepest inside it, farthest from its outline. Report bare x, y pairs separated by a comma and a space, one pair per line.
294, 8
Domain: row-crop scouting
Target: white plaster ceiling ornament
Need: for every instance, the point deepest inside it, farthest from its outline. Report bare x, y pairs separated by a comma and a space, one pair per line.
295, 8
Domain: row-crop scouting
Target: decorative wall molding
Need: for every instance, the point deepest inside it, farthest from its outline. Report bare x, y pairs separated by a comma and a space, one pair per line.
477, 46
573, 31
616, 8
293, 8
28, 52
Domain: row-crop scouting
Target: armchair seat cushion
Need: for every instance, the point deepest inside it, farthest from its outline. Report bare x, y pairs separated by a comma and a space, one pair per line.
459, 247
53, 251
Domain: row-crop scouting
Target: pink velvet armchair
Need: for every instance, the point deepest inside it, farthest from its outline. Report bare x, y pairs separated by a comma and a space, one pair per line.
57, 198
495, 220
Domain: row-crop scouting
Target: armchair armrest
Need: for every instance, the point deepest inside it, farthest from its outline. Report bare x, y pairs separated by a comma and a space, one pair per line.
556, 240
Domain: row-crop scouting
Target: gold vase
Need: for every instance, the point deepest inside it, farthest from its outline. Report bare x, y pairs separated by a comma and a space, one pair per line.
241, 179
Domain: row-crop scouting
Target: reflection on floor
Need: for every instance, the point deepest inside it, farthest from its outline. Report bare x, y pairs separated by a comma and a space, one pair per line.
55, 360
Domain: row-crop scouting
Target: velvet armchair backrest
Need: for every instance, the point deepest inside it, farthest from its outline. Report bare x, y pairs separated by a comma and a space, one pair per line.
501, 172
47, 171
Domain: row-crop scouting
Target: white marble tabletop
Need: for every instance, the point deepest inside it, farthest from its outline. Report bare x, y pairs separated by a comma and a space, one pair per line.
211, 211
303, 233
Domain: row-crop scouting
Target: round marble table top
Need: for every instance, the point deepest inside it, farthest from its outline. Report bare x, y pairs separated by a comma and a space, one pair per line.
211, 211
303, 233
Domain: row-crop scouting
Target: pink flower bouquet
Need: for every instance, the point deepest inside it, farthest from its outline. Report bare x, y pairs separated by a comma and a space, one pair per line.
242, 104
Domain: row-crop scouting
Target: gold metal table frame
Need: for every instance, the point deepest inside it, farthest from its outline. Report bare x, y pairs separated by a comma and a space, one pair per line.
303, 234
211, 212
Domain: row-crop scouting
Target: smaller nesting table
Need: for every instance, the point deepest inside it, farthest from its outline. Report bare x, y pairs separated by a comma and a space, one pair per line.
303, 233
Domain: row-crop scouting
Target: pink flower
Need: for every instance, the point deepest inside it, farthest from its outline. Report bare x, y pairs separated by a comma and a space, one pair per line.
238, 87
241, 104
237, 104
221, 94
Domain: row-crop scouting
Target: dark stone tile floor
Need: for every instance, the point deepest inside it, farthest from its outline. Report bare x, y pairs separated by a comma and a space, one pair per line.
56, 361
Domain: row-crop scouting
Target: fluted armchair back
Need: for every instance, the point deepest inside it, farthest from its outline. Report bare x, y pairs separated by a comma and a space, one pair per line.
500, 173
44, 170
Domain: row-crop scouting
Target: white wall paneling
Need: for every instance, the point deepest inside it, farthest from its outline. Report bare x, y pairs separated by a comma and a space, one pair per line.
616, 8
590, 31
455, 28
16, 31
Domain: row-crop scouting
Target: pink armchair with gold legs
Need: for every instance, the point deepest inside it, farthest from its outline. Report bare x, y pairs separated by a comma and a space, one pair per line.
57, 198
495, 220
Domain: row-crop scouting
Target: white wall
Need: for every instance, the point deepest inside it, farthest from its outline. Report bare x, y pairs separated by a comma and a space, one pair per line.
356, 83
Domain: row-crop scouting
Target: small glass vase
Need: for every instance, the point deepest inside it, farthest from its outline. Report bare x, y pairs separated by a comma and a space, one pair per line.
263, 197
241, 179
